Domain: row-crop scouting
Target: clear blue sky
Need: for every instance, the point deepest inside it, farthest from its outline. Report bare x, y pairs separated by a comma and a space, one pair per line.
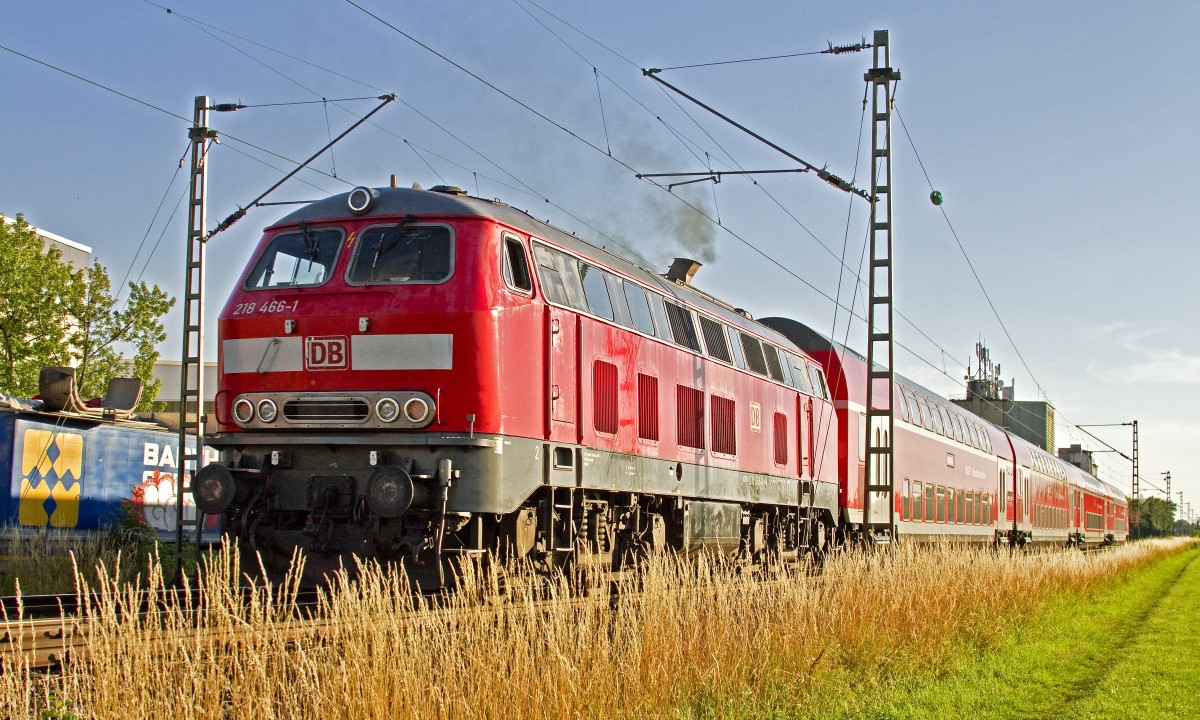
1059, 133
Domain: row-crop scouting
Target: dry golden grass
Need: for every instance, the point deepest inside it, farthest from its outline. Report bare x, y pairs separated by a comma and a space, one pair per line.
698, 639
44, 561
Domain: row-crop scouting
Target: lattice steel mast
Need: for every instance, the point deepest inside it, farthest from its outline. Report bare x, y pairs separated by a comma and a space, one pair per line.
191, 365
879, 507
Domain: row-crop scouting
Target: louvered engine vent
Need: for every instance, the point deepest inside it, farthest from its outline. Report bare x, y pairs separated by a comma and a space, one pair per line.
326, 410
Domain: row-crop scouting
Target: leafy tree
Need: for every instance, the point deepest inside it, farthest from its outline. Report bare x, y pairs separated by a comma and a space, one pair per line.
36, 288
1156, 517
1184, 528
53, 314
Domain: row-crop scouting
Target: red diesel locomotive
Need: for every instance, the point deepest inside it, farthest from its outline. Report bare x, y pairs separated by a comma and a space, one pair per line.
416, 375
419, 376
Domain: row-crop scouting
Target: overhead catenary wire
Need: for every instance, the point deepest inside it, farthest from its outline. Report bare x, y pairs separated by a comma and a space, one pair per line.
831, 50
608, 151
309, 102
513, 98
718, 220
694, 153
241, 211
149, 228
152, 106
300, 166
829, 177
975, 273
525, 187
971, 265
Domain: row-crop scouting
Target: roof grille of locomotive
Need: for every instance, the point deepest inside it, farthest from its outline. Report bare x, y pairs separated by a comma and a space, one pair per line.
326, 409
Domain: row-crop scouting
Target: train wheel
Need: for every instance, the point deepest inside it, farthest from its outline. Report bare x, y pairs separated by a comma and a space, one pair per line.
819, 537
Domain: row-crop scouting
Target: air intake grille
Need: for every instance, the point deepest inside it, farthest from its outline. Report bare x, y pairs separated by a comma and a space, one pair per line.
326, 410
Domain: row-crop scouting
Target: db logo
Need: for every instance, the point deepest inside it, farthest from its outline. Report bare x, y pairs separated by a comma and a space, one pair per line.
330, 352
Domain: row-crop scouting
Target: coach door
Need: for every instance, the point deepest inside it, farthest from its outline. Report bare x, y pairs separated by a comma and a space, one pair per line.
1077, 510
562, 375
804, 435
1004, 498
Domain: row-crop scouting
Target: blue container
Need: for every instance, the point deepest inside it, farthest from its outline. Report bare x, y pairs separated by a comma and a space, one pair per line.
72, 473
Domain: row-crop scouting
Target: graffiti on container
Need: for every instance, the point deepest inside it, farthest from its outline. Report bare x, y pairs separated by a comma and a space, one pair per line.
159, 487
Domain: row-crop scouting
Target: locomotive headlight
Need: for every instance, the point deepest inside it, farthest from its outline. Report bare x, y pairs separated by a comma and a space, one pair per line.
243, 411
267, 411
416, 410
387, 410
361, 199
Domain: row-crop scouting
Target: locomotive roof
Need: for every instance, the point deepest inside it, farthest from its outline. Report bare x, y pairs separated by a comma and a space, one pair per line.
392, 202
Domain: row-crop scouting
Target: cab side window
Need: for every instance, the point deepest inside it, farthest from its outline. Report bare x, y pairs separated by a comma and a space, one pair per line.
516, 266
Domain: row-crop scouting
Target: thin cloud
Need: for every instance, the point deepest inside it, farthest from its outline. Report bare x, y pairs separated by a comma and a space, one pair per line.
1159, 367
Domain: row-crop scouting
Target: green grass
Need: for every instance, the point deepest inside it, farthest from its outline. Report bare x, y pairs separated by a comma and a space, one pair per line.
1131, 652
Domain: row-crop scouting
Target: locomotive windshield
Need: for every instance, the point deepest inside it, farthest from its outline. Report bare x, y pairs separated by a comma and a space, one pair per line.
402, 254
296, 259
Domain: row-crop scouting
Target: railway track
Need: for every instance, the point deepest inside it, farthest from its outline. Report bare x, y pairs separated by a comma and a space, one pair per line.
41, 631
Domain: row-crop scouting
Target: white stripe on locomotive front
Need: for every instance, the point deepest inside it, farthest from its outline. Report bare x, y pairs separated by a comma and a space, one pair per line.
433, 351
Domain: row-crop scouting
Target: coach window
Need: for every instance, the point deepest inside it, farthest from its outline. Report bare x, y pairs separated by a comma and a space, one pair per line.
906, 513
516, 266
862, 437
918, 501
559, 274
714, 339
755, 359
960, 507
683, 328
616, 296
658, 308
902, 403
946, 421
800, 379
958, 431
596, 291
936, 412
786, 367
402, 254
929, 502
818, 382
941, 504
774, 368
926, 413
302, 259
639, 308
735, 347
